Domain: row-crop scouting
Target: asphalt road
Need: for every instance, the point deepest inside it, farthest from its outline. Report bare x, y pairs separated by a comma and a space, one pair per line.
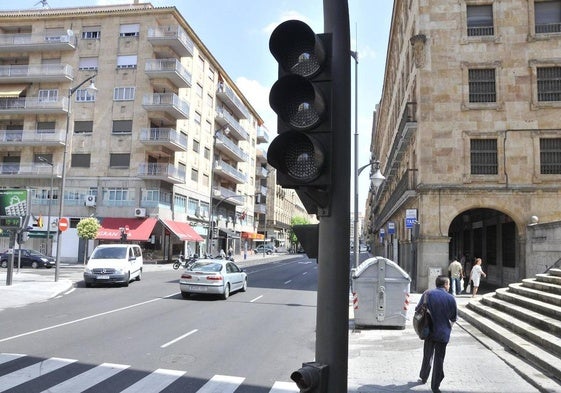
254, 339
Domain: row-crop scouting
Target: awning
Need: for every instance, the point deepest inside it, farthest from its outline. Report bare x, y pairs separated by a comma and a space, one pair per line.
253, 235
11, 90
229, 233
139, 229
183, 231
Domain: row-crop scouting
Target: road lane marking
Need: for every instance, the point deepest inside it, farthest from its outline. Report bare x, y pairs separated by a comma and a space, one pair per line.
304, 273
179, 338
8, 357
256, 299
287, 282
84, 319
222, 384
284, 387
34, 371
155, 382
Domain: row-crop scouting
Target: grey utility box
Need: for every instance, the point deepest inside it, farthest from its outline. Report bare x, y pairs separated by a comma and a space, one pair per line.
380, 293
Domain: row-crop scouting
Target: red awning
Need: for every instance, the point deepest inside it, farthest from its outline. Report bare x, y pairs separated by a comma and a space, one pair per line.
183, 231
139, 229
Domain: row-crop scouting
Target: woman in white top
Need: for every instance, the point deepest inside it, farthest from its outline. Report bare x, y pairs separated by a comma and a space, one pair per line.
475, 276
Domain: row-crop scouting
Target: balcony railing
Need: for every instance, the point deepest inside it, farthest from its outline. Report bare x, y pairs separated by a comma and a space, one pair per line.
170, 69
174, 37
24, 105
548, 28
167, 137
36, 42
229, 148
36, 73
403, 192
227, 95
169, 103
227, 120
37, 171
161, 171
261, 172
262, 135
230, 172
32, 137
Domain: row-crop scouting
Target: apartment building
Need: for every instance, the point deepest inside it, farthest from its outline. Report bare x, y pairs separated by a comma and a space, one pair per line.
467, 134
164, 149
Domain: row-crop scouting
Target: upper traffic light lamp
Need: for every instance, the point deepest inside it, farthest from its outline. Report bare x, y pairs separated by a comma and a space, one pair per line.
301, 98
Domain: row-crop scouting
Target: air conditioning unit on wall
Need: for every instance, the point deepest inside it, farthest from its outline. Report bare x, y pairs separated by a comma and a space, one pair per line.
91, 200
139, 212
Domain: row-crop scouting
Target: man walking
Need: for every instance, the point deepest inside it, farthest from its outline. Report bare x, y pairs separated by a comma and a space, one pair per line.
444, 313
456, 273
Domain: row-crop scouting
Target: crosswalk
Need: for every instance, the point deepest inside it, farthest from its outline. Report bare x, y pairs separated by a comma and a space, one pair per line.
21, 373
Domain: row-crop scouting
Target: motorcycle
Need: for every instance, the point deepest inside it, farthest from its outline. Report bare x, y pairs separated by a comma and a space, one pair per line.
182, 262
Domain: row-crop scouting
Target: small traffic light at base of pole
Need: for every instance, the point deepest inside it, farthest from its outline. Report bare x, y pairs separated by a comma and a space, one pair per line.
311, 378
302, 100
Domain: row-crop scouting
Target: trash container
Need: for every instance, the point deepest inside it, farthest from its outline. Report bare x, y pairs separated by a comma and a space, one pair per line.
380, 293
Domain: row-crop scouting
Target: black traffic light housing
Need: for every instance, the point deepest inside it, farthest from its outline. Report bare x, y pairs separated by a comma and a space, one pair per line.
302, 99
311, 378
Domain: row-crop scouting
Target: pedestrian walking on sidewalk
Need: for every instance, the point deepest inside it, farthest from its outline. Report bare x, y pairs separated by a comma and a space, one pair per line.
444, 312
456, 274
475, 276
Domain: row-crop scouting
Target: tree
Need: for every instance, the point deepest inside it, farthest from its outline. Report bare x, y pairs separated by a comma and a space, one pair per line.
296, 221
87, 229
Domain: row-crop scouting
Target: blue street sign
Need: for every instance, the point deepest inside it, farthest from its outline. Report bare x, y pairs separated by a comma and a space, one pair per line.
410, 222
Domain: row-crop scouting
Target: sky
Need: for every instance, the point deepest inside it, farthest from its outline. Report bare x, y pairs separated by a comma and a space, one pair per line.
237, 33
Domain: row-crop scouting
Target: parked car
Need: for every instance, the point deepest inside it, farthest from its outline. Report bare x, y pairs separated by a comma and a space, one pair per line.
29, 257
212, 276
114, 264
267, 249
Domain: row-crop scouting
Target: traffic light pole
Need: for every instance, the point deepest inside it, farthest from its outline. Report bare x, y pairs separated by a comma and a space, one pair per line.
332, 319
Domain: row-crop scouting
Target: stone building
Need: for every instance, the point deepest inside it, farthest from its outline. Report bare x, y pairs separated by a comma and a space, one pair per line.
467, 134
164, 149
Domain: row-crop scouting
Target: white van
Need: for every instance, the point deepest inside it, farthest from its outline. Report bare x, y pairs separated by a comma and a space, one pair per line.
114, 264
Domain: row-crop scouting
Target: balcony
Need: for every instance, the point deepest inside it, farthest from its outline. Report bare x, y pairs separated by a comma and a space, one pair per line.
170, 69
161, 171
168, 103
32, 137
403, 193
35, 171
230, 149
227, 95
261, 190
407, 127
227, 120
229, 172
36, 42
262, 135
172, 36
231, 196
261, 155
261, 173
33, 105
168, 138
36, 73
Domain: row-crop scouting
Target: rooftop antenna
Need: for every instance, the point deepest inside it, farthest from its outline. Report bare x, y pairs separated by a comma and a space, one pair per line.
43, 3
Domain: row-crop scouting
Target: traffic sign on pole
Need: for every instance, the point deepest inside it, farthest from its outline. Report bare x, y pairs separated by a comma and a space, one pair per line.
63, 224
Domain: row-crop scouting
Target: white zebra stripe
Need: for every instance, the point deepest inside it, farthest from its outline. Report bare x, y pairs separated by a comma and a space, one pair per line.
86, 380
221, 384
31, 372
155, 381
284, 387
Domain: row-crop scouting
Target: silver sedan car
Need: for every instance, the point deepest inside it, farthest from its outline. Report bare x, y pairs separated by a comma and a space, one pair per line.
212, 276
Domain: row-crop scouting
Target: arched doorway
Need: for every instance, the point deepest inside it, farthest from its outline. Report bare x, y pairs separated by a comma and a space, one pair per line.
491, 235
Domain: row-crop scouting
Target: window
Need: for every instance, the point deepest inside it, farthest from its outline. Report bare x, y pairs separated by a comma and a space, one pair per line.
211, 74
482, 85
480, 20
91, 32
550, 156
83, 127
119, 160
197, 118
46, 127
123, 93
80, 160
48, 95
193, 207
128, 61
207, 153
129, 30
547, 15
196, 146
152, 195
199, 90
194, 175
84, 95
484, 159
117, 194
43, 158
210, 101
122, 127
88, 63
549, 83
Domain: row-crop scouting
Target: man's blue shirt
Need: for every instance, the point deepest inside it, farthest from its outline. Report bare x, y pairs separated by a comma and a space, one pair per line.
444, 311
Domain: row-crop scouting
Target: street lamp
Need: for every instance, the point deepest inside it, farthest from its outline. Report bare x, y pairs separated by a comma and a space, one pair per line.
376, 180
71, 91
211, 221
43, 159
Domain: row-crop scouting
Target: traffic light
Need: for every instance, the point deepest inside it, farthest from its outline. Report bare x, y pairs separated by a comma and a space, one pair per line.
311, 378
302, 100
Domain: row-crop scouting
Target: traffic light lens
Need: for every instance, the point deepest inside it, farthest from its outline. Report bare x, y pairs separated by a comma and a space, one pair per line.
304, 63
303, 160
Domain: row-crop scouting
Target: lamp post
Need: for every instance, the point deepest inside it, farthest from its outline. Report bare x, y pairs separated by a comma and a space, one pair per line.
210, 220
226, 131
376, 179
354, 55
43, 159
71, 91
